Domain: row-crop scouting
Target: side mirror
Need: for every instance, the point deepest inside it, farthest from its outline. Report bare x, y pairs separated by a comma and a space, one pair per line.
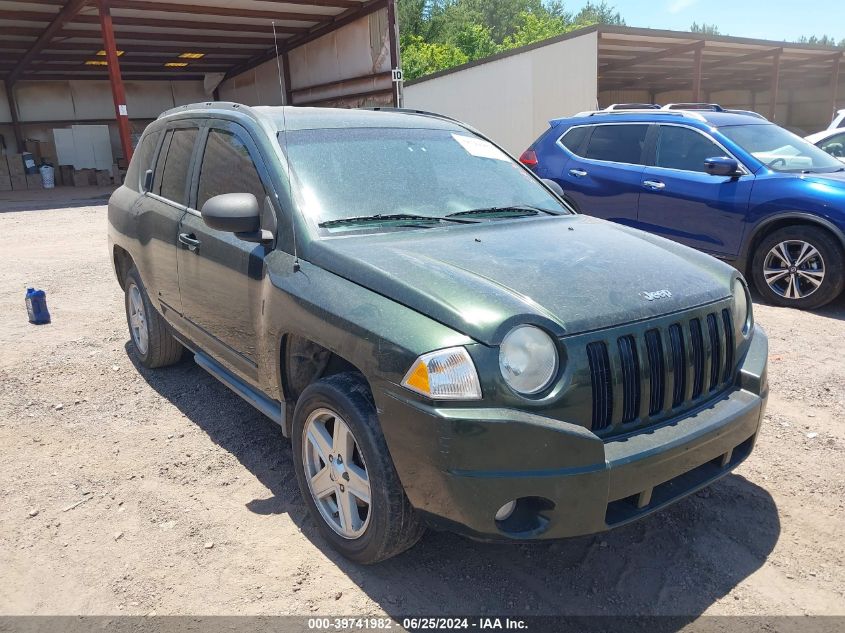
554, 186
148, 180
722, 166
236, 213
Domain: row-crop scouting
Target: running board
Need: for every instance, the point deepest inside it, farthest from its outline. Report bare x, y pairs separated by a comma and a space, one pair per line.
271, 408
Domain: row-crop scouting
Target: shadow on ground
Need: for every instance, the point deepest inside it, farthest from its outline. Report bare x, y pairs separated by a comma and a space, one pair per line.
52, 203
833, 310
677, 562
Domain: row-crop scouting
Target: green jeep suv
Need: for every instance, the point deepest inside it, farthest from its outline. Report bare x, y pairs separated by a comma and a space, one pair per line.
444, 341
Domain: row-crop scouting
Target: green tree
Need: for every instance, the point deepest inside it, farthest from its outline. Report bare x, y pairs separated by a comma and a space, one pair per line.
423, 58
704, 28
475, 40
598, 13
824, 40
532, 27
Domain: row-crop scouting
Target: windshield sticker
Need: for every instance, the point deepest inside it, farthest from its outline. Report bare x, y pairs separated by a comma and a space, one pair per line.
479, 147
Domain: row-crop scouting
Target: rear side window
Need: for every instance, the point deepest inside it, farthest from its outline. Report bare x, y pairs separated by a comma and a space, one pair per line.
142, 158
227, 168
176, 165
617, 143
574, 138
682, 148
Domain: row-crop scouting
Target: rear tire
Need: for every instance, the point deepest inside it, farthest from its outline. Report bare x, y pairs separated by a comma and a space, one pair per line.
799, 267
151, 337
379, 529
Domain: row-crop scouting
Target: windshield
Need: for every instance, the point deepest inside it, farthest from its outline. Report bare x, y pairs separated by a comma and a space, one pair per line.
780, 149
360, 173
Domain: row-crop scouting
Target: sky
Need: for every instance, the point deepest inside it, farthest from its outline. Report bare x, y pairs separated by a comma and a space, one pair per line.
762, 19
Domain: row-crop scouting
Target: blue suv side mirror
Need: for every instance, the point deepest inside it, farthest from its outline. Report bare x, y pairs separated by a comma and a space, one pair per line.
722, 166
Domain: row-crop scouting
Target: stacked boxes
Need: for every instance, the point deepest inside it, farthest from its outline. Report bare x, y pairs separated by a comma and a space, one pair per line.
17, 173
33, 181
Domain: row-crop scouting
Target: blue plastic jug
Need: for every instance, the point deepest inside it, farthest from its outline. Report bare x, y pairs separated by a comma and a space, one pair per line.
36, 306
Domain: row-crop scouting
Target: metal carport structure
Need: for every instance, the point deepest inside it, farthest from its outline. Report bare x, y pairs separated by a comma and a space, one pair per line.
217, 44
766, 76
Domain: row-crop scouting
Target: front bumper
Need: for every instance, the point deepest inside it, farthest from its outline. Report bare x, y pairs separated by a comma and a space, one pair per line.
460, 465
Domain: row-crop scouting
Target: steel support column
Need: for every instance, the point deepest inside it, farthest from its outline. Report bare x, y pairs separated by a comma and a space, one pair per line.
696, 75
773, 90
117, 90
286, 75
13, 110
393, 39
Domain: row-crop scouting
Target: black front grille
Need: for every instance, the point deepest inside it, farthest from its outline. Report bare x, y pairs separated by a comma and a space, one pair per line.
602, 384
679, 369
630, 378
716, 346
697, 357
657, 371
681, 361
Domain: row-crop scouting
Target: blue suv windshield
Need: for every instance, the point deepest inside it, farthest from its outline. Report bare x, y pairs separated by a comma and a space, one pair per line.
781, 150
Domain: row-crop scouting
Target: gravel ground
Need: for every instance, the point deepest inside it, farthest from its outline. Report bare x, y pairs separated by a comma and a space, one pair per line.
128, 491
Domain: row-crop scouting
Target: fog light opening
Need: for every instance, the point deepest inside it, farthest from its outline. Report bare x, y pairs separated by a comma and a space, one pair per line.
506, 510
523, 517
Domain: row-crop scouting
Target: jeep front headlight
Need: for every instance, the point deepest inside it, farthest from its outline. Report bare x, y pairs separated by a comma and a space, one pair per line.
447, 374
528, 359
741, 307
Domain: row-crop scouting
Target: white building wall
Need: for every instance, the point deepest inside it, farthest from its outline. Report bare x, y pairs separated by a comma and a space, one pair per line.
511, 99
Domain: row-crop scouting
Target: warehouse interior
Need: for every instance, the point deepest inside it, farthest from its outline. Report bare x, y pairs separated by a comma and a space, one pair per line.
118, 64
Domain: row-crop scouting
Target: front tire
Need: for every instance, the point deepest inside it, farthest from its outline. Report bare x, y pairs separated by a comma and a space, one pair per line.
345, 473
154, 344
799, 267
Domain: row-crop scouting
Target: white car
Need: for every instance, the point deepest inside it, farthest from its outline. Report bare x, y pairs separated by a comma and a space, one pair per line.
831, 140
838, 121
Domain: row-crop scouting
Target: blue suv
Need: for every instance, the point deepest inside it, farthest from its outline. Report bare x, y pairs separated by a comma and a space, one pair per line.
727, 182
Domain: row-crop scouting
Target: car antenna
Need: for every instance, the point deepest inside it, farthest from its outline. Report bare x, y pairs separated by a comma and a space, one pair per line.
296, 266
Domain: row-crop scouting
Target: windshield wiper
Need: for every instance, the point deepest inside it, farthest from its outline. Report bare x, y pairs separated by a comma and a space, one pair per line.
511, 211
389, 217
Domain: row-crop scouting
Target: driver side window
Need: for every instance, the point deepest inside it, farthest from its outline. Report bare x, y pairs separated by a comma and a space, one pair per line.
227, 167
684, 149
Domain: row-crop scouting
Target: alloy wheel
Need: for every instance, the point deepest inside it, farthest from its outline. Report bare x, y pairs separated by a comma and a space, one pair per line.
794, 269
138, 320
336, 473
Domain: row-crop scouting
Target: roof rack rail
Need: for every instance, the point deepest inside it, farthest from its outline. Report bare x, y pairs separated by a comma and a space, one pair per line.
746, 112
208, 105
713, 107
413, 111
689, 114
632, 106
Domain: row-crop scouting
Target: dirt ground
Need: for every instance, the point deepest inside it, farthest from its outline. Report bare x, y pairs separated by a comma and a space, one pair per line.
128, 491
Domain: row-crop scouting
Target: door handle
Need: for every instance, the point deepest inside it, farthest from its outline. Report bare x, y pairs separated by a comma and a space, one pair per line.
578, 173
654, 184
190, 240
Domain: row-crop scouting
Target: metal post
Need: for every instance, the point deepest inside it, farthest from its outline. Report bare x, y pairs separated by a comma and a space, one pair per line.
13, 109
773, 91
696, 76
834, 85
118, 93
393, 40
286, 75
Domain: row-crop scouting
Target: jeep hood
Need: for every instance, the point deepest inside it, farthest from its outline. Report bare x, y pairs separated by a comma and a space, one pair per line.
570, 274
